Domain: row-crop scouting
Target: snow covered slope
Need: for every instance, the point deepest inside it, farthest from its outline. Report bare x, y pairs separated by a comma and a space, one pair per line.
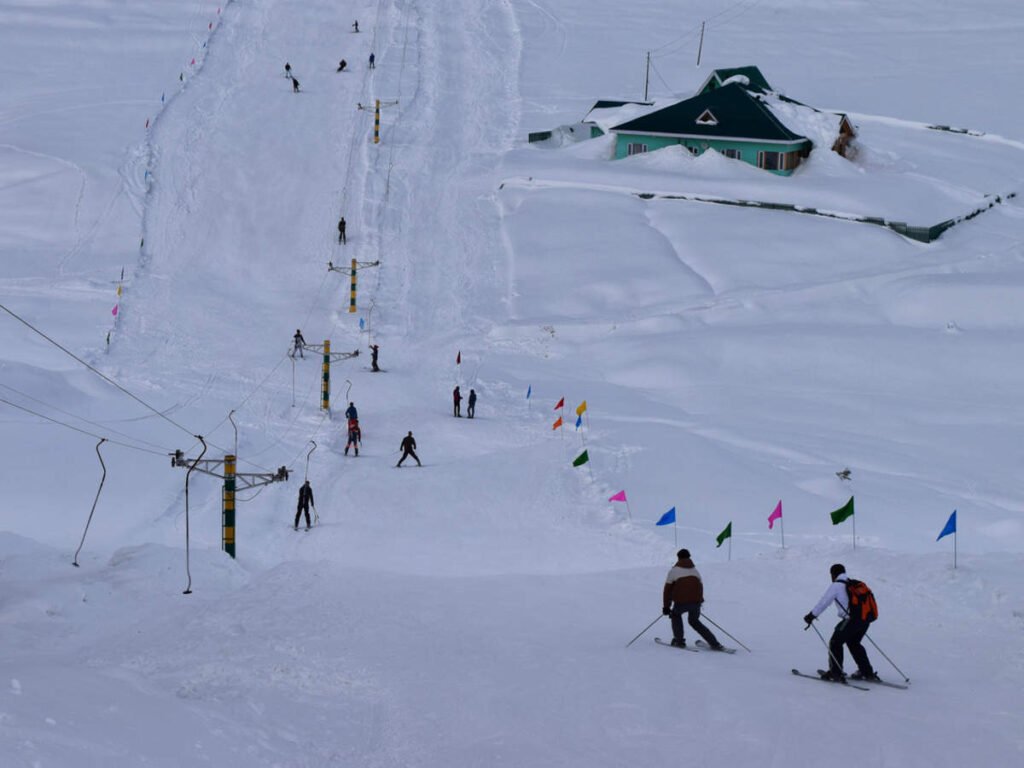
475, 611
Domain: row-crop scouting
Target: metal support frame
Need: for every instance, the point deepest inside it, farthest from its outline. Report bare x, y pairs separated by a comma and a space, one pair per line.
233, 481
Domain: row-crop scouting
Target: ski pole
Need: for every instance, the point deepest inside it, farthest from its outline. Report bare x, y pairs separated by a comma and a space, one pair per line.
726, 632
316, 516
905, 678
830, 654
644, 630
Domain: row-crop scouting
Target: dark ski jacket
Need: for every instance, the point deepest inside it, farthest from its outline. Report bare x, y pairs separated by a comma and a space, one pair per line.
457, 396
351, 413
306, 495
472, 398
683, 584
408, 444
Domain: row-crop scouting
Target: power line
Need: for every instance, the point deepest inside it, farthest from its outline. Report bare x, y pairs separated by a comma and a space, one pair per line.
103, 376
77, 429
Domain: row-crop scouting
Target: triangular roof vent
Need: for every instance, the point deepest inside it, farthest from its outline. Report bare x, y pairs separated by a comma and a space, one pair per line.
707, 118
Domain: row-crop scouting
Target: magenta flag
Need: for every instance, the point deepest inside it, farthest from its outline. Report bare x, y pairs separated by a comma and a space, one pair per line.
114, 310
775, 515
620, 496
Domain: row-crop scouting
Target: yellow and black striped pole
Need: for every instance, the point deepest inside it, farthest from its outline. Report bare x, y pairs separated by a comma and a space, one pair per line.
376, 123
325, 384
352, 292
228, 506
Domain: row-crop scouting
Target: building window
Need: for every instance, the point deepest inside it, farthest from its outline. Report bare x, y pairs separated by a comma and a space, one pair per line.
635, 149
692, 150
770, 161
707, 118
735, 154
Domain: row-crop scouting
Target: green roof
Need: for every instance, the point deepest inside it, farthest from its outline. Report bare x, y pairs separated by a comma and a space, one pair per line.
756, 81
724, 113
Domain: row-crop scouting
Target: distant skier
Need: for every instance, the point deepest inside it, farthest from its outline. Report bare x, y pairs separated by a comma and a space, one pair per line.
372, 60
355, 25
374, 351
471, 410
684, 593
355, 436
457, 401
287, 69
305, 499
341, 65
341, 230
351, 412
300, 344
408, 449
295, 85
849, 631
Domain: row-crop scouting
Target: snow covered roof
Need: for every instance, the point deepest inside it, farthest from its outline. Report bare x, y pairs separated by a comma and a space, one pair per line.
755, 81
730, 111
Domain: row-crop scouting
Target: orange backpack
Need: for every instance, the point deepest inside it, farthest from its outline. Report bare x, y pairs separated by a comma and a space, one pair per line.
862, 601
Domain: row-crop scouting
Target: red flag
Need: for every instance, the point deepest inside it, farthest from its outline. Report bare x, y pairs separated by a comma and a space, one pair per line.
458, 358
210, 26
561, 404
557, 423
193, 62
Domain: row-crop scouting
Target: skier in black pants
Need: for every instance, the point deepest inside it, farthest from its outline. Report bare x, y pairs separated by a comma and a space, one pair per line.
849, 631
471, 410
300, 344
684, 593
355, 436
341, 230
374, 350
295, 85
305, 499
373, 60
457, 402
287, 69
341, 65
408, 449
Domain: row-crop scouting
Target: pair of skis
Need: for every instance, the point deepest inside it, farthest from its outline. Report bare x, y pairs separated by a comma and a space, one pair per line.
700, 644
848, 684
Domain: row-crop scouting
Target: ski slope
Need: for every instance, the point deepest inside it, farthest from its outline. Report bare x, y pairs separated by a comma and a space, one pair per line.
475, 611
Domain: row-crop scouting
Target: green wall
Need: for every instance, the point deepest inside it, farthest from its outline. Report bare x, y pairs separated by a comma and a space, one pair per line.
748, 149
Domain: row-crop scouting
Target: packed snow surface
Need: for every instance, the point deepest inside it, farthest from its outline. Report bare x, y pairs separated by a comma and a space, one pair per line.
475, 611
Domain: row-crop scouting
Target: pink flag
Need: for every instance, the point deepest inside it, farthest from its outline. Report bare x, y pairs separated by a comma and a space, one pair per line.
114, 310
210, 26
776, 515
193, 63
620, 496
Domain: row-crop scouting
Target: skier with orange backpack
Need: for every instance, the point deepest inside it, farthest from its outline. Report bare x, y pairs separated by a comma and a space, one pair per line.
355, 436
857, 608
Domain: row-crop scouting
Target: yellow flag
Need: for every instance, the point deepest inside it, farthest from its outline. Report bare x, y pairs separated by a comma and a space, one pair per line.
581, 408
118, 289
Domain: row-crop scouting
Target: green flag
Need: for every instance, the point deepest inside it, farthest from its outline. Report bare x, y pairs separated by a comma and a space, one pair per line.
580, 460
844, 512
726, 534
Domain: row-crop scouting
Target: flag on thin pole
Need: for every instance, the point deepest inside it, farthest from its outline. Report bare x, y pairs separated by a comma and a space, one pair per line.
777, 515
669, 518
529, 403
114, 310
579, 422
843, 513
581, 408
949, 528
726, 534
561, 404
580, 460
557, 424
621, 496
458, 358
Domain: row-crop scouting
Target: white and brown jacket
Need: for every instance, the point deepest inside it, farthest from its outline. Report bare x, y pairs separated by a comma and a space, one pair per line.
683, 585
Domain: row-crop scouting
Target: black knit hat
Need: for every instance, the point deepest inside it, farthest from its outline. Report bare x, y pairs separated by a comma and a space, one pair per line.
837, 569
683, 554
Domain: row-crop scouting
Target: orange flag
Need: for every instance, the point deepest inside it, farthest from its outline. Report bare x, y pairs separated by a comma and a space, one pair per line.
557, 424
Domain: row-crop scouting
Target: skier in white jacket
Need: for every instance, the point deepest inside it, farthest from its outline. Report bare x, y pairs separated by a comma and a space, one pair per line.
849, 631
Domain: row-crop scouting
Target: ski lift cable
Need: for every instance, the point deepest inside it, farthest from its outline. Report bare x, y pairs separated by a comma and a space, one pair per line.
80, 430
82, 418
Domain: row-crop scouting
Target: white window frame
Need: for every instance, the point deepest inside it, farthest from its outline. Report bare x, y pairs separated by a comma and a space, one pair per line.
635, 148
733, 154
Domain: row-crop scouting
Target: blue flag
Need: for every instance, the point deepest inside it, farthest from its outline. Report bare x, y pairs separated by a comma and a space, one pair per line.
529, 391
362, 323
579, 422
668, 518
950, 526
162, 97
